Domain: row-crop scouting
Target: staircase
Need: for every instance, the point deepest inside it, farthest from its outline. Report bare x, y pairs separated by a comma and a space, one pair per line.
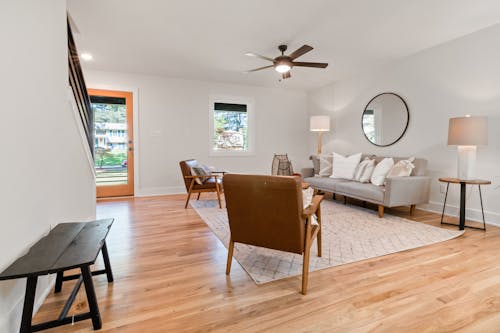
77, 83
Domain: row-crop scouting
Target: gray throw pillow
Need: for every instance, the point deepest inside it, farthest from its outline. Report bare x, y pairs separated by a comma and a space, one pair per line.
315, 160
199, 171
325, 165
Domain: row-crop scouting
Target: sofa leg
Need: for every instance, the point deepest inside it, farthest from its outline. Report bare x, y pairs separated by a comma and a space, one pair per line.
380, 211
345, 200
334, 197
412, 209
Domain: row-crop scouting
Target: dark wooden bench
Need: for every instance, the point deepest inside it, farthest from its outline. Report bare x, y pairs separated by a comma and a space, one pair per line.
67, 246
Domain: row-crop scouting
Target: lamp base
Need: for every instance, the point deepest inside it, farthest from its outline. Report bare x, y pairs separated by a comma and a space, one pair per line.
466, 162
320, 134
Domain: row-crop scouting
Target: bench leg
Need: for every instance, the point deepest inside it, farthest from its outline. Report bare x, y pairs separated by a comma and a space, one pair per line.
91, 297
29, 301
59, 282
107, 264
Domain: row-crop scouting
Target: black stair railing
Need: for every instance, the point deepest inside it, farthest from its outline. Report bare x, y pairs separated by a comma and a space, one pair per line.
77, 83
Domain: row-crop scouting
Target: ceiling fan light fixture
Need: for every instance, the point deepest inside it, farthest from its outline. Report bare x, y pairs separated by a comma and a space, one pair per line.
282, 68
284, 63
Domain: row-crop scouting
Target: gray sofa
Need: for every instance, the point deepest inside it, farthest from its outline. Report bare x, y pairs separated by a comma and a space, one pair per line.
397, 191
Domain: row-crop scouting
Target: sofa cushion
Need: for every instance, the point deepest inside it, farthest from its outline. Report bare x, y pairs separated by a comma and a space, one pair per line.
368, 191
325, 184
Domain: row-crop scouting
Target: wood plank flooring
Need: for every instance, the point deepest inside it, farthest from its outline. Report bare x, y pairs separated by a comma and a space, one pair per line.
169, 273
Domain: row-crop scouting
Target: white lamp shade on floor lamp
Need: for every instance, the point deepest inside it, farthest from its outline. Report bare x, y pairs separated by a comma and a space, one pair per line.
467, 133
319, 124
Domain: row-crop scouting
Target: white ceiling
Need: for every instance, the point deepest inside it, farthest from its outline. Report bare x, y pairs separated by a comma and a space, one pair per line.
207, 39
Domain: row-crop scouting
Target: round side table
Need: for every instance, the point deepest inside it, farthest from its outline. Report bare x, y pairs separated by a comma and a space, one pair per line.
463, 183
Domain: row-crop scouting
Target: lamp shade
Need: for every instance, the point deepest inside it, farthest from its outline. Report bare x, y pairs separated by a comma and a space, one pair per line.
468, 131
319, 124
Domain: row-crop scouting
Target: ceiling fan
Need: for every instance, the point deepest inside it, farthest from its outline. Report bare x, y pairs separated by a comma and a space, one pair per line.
284, 63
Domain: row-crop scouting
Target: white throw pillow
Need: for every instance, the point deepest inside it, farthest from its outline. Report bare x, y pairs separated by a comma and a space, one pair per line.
307, 196
402, 168
366, 176
325, 165
381, 170
344, 167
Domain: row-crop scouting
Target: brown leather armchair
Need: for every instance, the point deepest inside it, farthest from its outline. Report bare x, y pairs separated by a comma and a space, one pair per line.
268, 211
212, 183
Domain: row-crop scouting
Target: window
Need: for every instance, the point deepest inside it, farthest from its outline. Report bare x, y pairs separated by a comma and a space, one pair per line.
230, 124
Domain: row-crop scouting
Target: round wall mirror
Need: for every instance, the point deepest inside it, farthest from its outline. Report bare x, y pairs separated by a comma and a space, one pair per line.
385, 119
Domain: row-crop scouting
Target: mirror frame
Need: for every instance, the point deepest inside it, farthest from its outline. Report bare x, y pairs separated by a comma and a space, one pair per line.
406, 126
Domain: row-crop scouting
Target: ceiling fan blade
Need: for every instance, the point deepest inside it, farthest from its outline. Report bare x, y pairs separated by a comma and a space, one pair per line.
311, 64
251, 54
258, 69
300, 51
286, 75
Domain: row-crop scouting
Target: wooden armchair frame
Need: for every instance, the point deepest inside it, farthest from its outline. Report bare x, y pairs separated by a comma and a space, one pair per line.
193, 189
311, 232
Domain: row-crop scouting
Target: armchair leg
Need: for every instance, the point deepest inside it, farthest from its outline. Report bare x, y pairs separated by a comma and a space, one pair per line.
198, 198
318, 239
189, 193
305, 268
380, 211
412, 209
217, 187
229, 256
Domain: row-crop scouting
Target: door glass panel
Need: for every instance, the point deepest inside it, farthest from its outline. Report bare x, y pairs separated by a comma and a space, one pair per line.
111, 140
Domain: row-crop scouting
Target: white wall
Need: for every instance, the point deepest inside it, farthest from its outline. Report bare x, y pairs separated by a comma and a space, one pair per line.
454, 79
173, 114
45, 176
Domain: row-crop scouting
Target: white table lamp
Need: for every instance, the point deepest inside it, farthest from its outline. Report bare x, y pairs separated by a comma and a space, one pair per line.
319, 124
467, 133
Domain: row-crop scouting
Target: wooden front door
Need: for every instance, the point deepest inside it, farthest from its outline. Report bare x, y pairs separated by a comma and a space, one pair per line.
113, 142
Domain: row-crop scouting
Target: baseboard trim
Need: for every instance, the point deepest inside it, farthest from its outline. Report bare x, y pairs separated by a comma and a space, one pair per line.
472, 214
157, 191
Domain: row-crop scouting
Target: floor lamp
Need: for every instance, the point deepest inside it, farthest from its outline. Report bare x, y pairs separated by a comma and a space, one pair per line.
466, 133
319, 124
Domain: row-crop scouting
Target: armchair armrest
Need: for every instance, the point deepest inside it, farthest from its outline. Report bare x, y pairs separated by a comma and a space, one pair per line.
307, 172
402, 191
221, 172
313, 207
202, 176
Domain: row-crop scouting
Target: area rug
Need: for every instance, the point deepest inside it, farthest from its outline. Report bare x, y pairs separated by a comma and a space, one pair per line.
350, 234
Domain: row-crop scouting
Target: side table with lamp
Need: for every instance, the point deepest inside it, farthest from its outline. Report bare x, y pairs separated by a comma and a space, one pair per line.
466, 133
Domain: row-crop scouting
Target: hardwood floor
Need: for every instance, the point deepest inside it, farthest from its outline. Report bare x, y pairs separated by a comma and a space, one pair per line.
169, 273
